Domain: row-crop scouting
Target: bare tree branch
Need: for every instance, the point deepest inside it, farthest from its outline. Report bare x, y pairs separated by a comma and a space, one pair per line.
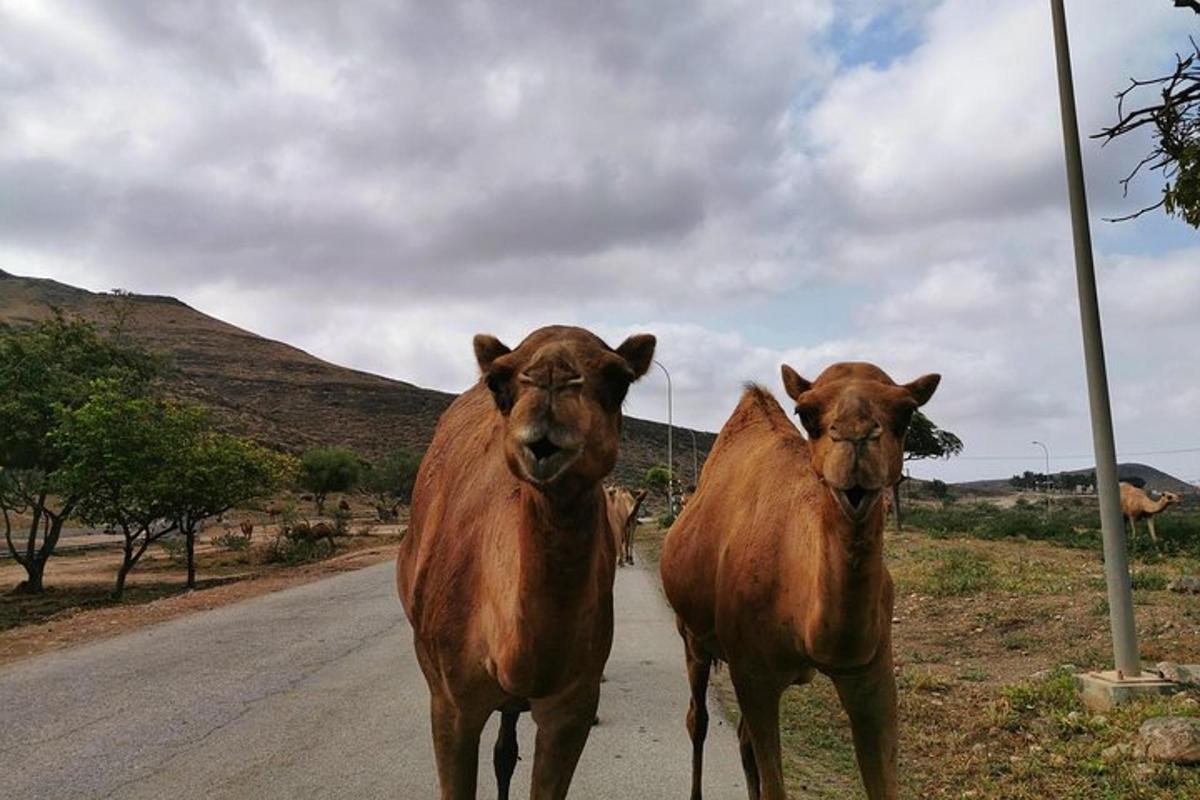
1194, 5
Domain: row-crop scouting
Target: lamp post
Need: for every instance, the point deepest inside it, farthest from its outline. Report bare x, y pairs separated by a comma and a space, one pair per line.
1045, 450
695, 461
1116, 559
670, 446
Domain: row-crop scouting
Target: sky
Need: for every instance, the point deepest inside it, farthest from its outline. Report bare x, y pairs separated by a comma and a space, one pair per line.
756, 183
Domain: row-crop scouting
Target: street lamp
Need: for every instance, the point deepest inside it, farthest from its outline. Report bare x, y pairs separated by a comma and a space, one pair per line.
1112, 526
1046, 450
670, 447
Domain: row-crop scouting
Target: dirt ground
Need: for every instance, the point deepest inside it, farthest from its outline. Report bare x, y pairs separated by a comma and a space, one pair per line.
987, 636
77, 606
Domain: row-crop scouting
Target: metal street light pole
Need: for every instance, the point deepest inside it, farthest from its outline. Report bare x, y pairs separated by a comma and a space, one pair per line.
1116, 560
695, 461
1046, 450
670, 447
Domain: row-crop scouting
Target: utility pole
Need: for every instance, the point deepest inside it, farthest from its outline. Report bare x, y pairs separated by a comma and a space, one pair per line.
1116, 560
670, 448
1046, 450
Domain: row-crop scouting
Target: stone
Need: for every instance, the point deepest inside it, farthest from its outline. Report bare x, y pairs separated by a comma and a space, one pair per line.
1187, 675
1186, 584
1116, 752
1175, 740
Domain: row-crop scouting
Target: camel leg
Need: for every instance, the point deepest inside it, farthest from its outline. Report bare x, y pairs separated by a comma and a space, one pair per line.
749, 765
698, 667
1153, 533
759, 703
456, 747
563, 727
869, 699
505, 754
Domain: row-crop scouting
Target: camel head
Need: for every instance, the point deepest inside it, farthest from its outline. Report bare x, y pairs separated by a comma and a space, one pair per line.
1168, 499
856, 418
559, 394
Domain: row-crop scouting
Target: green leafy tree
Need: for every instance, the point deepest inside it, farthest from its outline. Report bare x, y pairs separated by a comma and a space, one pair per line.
45, 369
1168, 106
924, 440
328, 469
391, 480
118, 451
207, 473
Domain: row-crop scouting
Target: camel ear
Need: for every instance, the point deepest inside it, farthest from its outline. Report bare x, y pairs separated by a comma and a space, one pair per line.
487, 349
793, 384
923, 387
638, 352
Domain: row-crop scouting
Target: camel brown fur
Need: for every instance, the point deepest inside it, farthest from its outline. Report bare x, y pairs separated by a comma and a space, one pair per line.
776, 566
623, 507
247, 527
1137, 505
506, 573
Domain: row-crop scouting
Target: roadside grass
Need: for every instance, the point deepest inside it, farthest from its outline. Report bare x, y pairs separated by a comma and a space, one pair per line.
984, 623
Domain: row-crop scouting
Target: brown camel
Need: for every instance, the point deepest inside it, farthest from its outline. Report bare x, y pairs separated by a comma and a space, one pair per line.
506, 573
776, 564
1136, 504
623, 507
247, 526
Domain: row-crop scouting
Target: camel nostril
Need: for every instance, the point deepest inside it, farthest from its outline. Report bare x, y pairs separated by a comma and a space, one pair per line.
543, 448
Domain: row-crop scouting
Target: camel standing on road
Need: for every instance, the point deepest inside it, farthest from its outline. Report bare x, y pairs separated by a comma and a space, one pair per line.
507, 569
776, 565
1136, 504
623, 507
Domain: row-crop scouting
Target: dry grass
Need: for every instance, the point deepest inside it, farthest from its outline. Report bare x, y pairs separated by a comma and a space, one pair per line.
983, 630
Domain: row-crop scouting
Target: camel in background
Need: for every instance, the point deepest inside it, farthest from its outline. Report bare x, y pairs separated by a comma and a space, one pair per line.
623, 507
776, 565
1136, 505
507, 570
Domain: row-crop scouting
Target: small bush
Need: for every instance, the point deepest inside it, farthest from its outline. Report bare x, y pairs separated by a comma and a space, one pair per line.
1149, 580
232, 541
175, 548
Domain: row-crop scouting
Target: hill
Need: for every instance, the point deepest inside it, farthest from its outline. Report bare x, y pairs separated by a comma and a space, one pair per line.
1153, 478
283, 396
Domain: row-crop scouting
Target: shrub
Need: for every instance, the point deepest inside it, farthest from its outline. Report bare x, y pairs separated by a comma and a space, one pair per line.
175, 548
232, 541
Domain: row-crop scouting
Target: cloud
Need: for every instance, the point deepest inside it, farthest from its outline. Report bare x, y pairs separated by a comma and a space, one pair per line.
378, 182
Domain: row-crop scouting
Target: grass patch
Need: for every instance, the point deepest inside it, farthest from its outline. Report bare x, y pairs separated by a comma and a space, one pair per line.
957, 573
1149, 580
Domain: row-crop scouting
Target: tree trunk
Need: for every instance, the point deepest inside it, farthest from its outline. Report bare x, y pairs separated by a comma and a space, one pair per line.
896, 505
119, 589
35, 558
191, 558
34, 573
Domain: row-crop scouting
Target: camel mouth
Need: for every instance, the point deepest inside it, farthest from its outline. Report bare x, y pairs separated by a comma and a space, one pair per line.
544, 460
857, 501
543, 448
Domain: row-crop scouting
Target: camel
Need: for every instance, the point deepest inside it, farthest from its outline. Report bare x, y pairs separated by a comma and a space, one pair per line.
344, 505
776, 565
623, 507
507, 570
1136, 504
247, 526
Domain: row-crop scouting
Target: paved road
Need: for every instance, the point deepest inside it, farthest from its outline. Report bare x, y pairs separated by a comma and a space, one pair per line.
314, 692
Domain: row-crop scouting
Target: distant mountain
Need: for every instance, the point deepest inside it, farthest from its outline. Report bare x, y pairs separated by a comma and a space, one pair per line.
1153, 478
283, 396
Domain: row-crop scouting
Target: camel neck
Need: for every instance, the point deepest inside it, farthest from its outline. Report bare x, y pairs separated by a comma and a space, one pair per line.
558, 542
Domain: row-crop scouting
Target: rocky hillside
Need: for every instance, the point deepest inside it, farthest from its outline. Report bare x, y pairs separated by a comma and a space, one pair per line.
283, 396
1152, 478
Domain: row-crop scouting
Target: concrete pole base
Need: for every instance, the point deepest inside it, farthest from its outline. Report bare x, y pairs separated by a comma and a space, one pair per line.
1101, 691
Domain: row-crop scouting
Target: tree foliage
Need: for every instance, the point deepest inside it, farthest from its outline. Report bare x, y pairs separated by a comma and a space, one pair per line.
328, 469
926, 440
1168, 106
391, 479
48, 369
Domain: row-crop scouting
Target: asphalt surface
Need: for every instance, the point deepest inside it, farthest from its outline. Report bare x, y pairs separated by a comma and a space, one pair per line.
314, 692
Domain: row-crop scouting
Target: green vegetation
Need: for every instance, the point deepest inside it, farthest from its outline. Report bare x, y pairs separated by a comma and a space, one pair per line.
48, 371
328, 469
959, 572
390, 481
